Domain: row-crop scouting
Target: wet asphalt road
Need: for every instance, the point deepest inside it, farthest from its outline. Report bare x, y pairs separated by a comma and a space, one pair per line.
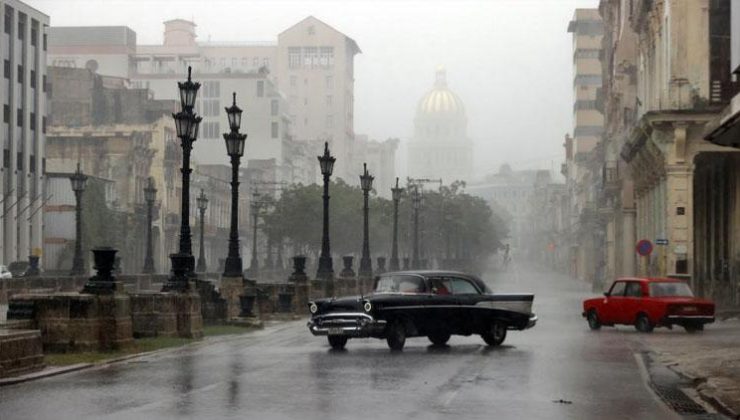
558, 370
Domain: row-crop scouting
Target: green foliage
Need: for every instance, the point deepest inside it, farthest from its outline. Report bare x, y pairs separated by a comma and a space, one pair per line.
453, 224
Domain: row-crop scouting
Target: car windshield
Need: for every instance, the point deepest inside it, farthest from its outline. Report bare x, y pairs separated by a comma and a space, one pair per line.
400, 284
673, 289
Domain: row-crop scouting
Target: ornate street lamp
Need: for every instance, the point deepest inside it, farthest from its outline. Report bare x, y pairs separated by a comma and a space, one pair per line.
366, 183
202, 202
235, 149
79, 182
150, 194
254, 265
394, 263
186, 125
416, 202
325, 270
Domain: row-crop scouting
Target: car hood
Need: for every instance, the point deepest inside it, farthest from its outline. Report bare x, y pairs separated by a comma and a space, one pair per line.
338, 304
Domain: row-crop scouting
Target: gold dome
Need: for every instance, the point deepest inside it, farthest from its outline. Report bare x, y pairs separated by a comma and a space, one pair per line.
440, 100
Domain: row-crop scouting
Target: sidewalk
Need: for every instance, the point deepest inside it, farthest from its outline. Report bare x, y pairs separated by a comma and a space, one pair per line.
710, 359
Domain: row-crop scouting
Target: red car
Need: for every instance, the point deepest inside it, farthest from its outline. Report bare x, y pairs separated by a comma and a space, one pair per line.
647, 303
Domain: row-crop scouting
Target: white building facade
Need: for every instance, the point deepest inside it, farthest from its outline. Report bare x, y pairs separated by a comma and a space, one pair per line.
23, 50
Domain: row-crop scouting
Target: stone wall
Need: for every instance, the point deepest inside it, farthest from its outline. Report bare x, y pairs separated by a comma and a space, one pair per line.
43, 284
20, 352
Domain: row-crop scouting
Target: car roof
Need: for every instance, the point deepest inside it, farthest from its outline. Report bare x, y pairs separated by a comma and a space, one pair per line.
430, 273
650, 279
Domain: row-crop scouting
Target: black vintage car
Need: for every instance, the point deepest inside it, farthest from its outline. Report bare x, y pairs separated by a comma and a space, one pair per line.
435, 304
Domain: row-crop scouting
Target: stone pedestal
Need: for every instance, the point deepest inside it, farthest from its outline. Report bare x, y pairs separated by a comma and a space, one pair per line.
20, 352
231, 289
78, 321
189, 318
153, 314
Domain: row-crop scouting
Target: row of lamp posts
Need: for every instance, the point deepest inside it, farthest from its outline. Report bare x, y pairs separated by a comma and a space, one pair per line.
183, 264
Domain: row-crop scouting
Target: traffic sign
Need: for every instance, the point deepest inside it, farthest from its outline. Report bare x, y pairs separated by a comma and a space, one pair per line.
644, 247
661, 242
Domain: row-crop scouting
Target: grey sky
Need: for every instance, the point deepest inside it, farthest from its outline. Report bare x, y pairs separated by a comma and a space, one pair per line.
509, 60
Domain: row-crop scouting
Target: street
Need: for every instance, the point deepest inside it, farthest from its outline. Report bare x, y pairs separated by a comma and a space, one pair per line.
558, 370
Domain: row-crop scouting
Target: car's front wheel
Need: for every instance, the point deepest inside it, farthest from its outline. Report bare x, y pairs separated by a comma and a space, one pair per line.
337, 342
396, 335
593, 320
643, 324
496, 334
439, 338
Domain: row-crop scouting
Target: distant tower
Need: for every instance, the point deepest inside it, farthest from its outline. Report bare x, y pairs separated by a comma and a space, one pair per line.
440, 147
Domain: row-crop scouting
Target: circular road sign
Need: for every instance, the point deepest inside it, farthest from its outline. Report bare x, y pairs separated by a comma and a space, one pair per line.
644, 247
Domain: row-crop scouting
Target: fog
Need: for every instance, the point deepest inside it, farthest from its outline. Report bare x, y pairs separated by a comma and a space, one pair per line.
509, 61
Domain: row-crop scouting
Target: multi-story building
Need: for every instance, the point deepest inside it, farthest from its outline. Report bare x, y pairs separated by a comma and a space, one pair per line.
440, 147
300, 88
380, 157
585, 232
23, 50
315, 69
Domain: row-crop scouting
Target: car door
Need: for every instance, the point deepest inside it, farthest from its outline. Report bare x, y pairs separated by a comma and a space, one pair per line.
467, 296
631, 303
442, 308
612, 304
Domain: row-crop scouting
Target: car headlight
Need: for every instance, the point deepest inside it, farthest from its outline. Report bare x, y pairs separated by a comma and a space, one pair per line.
368, 306
313, 308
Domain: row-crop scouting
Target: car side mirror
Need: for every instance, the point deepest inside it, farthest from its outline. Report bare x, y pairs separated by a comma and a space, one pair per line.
606, 294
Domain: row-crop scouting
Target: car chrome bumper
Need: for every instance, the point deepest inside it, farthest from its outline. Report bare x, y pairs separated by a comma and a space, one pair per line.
346, 324
532, 321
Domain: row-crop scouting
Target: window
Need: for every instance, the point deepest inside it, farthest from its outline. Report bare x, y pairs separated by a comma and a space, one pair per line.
329, 100
274, 107
34, 37
330, 82
211, 89
32, 164
19, 161
463, 287
8, 19
6, 158
44, 42
21, 26
6, 113
19, 118
255, 62
32, 121
402, 284
670, 289
6, 68
43, 125
326, 57
20, 74
245, 62
440, 286
617, 289
633, 289
294, 57
310, 56
33, 79
211, 107
266, 62
260, 88
43, 81
274, 130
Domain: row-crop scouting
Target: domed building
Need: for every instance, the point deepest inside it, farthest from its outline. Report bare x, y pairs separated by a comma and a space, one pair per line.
440, 147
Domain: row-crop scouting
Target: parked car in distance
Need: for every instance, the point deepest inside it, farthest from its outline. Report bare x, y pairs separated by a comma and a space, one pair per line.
434, 304
647, 303
5, 273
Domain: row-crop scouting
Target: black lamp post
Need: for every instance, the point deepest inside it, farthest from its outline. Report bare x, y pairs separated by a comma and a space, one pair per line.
366, 183
79, 182
394, 263
235, 149
150, 194
254, 265
325, 270
416, 202
186, 125
202, 202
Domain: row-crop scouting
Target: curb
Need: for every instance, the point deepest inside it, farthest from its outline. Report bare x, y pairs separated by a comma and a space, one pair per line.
44, 373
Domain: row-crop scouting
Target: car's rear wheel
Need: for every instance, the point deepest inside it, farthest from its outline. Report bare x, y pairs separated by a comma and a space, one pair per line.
593, 320
693, 327
439, 338
396, 335
337, 342
643, 324
496, 334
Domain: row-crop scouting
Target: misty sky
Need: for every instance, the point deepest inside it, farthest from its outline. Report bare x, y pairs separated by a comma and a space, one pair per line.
509, 60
